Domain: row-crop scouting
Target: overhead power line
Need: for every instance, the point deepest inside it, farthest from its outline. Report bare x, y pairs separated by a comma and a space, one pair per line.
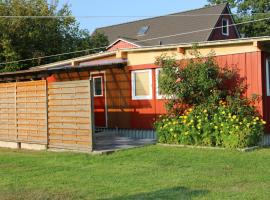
150, 39
50, 56
117, 16
202, 30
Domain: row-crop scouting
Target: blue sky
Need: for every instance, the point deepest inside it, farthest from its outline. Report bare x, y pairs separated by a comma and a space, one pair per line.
124, 7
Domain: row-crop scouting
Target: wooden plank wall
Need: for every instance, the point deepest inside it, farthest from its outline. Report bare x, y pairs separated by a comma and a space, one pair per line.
31, 109
69, 115
22, 112
8, 125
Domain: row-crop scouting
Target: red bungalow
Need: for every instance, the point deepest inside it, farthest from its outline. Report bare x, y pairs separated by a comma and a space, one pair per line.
125, 79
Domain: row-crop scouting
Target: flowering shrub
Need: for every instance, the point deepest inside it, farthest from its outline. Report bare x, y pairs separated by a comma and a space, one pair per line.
215, 126
206, 106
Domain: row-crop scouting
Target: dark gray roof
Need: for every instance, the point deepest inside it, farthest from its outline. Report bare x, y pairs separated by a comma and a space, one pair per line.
168, 25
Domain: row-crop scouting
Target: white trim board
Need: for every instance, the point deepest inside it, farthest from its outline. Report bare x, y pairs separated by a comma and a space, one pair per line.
120, 39
133, 87
102, 86
105, 94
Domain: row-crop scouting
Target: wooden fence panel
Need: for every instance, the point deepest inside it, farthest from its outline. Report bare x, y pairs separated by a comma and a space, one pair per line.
69, 115
8, 126
31, 111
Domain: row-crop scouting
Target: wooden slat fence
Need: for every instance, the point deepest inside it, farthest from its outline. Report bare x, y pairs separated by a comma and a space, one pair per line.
8, 124
69, 115
22, 108
57, 114
31, 108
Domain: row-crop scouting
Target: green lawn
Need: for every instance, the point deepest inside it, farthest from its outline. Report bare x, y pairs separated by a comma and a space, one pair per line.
153, 172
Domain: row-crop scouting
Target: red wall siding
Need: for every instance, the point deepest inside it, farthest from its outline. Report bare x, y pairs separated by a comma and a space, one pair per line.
121, 45
217, 33
248, 66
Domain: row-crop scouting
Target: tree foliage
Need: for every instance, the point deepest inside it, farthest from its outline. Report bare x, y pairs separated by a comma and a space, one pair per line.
22, 38
250, 10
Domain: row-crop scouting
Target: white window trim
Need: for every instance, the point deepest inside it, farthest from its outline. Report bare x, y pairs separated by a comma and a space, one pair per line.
158, 96
96, 77
133, 87
267, 76
227, 21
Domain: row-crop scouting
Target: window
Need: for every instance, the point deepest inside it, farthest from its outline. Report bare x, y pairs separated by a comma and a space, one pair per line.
268, 76
141, 84
158, 92
143, 30
225, 27
98, 88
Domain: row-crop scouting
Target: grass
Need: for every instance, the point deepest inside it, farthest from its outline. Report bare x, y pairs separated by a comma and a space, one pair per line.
153, 172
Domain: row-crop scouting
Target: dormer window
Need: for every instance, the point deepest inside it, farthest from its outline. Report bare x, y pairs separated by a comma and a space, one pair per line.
225, 27
143, 30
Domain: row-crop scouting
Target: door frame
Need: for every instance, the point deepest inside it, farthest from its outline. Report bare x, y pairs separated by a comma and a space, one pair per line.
105, 94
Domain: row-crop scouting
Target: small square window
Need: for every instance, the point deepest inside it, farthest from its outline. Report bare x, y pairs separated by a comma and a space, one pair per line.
143, 30
225, 27
98, 86
141, 84
268, 76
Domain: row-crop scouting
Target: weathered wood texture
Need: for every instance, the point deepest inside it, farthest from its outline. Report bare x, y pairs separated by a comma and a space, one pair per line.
8, 124
31, 108
69, 115
22, 112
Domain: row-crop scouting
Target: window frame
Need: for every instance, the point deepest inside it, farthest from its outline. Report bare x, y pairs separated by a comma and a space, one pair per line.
158, 96
94, 88
267, 77
227, 27
133, 85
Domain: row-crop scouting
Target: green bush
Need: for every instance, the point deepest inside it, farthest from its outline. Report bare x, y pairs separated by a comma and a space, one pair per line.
212, 126
206, 106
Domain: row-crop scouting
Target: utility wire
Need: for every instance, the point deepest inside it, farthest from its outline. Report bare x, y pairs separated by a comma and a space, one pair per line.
207, 29
116, 16
167, 36
50, 56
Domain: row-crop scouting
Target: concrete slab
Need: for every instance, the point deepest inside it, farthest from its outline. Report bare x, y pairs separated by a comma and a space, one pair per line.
11, 145
37, 147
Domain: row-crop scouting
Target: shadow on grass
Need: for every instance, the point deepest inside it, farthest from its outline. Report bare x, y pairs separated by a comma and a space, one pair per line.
170, 193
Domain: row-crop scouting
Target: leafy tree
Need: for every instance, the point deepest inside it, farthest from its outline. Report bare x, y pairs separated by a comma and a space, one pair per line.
23, 38
250, 10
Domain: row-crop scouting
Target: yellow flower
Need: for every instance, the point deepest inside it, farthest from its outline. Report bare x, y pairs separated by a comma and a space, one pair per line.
190, 110
263, 122
171, 130
234, 117
205, 111
223, 113
221, 125
216, 127
257, 118
175, 135
186, 133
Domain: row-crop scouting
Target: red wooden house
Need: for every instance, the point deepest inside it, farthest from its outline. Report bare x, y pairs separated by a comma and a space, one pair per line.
125, 79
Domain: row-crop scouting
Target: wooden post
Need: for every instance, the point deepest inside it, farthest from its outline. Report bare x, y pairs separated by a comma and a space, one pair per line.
47, 121
16, 120
92, 116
